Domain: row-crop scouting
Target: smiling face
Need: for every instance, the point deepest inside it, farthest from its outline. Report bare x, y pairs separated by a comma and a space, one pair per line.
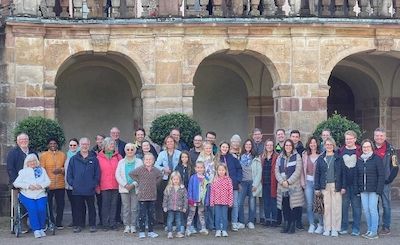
148, 160
176, 135
184, 158
211, 138
73, 146
367, 147
379, 138
350, 141
313, 145
269, 146
53, 146
200, 169
295, 137
23, 141
146, 147
176, 180
197, 141
114, 133
288, 147
221, 171
139, 135
257, 136
170, 143
207, 149
130, 151
31, 164
248, 146
280, 136
224, 149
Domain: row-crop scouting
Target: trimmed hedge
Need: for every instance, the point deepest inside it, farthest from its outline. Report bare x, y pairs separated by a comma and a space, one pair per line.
162, 126
338, 125
39, 130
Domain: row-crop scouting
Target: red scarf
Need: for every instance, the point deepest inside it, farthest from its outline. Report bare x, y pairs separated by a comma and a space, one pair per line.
381, 151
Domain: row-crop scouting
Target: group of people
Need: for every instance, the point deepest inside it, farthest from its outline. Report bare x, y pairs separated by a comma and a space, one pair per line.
205, 188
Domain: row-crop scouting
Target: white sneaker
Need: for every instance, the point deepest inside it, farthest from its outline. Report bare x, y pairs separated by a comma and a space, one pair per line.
142, 235
188, 233
218, 233
37, 234
152, 234
127, 229
133, 229
234, 227
311, 229
170, 235
250, 225
204, 231
343, 232
319, 229
240, 225
326, 233
42, 233
224, 234
334, 233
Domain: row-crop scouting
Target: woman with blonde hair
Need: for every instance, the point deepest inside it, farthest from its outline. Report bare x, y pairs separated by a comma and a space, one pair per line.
33, 181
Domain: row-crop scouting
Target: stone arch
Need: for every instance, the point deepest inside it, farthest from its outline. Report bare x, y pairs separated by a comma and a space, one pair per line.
247, 77
107, 93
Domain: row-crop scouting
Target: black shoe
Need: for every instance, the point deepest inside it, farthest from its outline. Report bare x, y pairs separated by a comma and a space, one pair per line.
262, 220
285, 227
93, 229
292, 228
267, 223
77, 229
299, 226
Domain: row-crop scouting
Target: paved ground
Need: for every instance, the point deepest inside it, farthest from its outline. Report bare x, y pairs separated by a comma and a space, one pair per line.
260, 236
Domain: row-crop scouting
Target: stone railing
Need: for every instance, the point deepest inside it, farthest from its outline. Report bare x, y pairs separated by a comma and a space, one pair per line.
83, 9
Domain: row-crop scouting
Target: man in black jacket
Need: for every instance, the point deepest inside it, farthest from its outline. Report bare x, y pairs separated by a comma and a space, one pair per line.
15, 162
391, 167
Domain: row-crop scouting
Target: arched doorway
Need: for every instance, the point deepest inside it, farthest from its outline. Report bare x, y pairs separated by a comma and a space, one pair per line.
233, 94
96, 92
361, 89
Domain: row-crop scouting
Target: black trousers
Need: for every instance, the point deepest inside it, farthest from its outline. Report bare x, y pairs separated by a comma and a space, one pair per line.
288, 213
59, 196
109, 207
80, 204
146, 210
99, 207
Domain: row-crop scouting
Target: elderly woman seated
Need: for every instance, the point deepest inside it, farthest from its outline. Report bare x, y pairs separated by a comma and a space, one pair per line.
32, 181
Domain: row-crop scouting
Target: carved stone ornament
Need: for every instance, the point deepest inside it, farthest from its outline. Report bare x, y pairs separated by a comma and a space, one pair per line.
384, 44
100, 42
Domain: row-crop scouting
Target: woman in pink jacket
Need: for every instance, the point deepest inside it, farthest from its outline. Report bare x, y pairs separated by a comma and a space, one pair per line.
108, 162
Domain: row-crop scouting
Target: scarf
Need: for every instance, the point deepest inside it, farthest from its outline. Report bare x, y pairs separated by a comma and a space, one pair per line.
366, 156
245, 159
38, 172
71, 153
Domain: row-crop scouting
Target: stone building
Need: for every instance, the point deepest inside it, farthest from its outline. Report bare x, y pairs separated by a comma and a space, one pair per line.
233, 65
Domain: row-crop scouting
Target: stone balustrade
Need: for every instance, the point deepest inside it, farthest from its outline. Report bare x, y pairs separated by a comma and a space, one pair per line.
82, 9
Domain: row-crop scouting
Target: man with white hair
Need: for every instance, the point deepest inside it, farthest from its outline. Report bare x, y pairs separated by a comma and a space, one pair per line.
15, 162
119, 144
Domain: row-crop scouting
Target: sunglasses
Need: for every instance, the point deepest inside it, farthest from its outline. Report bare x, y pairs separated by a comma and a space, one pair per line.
130, 149
73, 145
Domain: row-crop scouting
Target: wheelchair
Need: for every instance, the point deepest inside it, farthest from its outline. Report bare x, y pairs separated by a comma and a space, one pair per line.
17, 216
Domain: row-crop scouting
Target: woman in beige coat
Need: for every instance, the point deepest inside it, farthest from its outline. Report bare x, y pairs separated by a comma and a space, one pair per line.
290, 196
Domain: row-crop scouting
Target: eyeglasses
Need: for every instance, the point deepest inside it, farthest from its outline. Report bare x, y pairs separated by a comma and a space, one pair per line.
130, 149
73, 145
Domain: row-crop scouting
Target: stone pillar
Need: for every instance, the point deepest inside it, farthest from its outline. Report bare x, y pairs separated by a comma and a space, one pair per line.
279, 5
96, 8
397, 8
149, 104
261, 114
254, 8
237, 7
130, 9
199, 7
137, 113
27, 7
170, 8
363, 4
351, 12
269, 8
150, 8
217, 8
47, 8
325, 8
78, 9
64, 8
339, 8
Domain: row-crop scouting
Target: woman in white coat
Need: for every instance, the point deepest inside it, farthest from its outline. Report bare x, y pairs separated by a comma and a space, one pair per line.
127, 187
32, 181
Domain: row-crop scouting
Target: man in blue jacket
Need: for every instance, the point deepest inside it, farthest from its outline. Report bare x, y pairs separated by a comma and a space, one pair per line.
83, 176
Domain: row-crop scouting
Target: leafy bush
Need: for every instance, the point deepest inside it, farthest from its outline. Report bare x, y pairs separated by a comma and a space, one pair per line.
39, 130
338, 125
162, 126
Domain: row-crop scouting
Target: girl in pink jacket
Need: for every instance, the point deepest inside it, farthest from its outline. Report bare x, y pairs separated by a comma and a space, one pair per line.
221, 198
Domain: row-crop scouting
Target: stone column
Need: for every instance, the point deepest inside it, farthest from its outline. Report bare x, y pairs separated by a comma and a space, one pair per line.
78, 9
254, 8
137, 112
339, 8
170, 8
149, 104
27, 7
269, 8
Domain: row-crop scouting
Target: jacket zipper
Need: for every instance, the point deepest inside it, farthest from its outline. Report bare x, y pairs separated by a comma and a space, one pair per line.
365, 176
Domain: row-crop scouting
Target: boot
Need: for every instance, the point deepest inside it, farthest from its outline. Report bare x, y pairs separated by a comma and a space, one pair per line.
292, 228
285, 227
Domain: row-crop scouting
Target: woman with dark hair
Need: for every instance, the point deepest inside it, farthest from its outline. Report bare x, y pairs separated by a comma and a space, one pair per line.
371, 179
310, 156
251, 181
73, 148
290, 195
235, 173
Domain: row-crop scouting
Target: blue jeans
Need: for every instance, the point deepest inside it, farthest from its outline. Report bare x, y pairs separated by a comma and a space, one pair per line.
210, 223
221, 217
370, 207
235, 208
309, 193
270, 210
247, 192
36, 210
351, 198
174, 216
387, 210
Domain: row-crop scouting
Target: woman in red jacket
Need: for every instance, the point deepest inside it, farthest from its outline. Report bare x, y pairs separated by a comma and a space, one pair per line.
108, 162
268, 161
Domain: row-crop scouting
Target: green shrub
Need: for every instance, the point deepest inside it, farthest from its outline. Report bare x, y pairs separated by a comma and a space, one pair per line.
338, 125
39, 130
162, 126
